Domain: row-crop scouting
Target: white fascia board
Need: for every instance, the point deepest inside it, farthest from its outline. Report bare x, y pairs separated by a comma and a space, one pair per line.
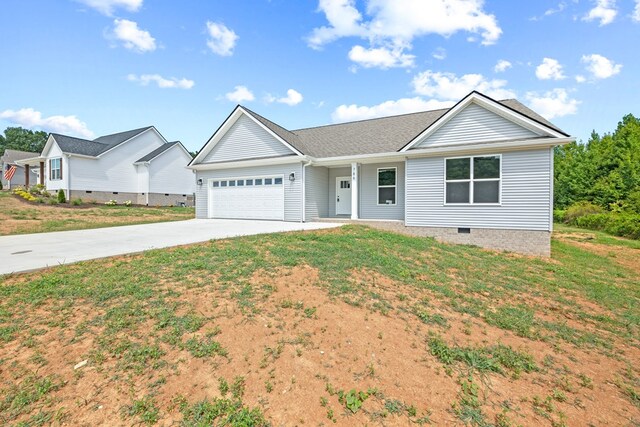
249, 163
502, 146
31, 161
490, 105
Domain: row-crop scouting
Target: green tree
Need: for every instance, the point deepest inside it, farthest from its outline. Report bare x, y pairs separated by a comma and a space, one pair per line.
603, 171
17, 138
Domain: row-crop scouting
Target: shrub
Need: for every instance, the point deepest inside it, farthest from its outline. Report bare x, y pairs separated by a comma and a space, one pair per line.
127, 203
61, 197
581, 209
633, 201
558, 215
0, 185
618, 224
111, 203
52, 201
76, 202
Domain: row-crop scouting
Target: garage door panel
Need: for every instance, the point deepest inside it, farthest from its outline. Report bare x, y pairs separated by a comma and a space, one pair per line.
247, 202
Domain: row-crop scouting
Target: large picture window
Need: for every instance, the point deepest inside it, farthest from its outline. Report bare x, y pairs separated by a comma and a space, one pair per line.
472, 180
56, 169
387, 186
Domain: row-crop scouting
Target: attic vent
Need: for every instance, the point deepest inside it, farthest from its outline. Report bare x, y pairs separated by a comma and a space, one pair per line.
464, 231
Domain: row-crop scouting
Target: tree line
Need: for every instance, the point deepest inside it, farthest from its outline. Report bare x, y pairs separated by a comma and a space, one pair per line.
17, 138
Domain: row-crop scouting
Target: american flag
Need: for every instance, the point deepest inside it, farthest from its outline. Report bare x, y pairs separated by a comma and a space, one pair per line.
8, 174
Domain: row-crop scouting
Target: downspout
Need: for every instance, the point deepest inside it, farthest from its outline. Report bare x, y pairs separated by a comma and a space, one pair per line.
68, 172
304, 191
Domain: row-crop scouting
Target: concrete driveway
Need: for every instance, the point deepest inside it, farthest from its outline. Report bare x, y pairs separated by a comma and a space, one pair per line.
27, 252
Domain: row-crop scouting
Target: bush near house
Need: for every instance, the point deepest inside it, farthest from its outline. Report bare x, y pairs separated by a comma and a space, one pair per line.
61, 197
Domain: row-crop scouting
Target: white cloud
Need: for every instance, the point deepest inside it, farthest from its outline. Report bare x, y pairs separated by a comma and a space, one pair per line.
30, 118
555, 103
393, 24
107, 7
502, 66
440, 53
293, 98
551, 11
240, 94
132, 37
580, 78
636, 12
601, 67
346, 113
162, 82
221, 39
380, 57
550, 69
604, 10
448, 86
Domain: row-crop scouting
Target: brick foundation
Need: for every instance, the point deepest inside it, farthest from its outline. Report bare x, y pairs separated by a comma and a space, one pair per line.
526, 242
155, 199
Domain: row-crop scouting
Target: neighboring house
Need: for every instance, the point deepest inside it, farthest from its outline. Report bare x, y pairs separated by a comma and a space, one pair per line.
18, 176
480, 172
137, 165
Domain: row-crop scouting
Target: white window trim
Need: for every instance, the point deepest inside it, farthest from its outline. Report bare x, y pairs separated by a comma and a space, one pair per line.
471, 180
59, 169
378, 186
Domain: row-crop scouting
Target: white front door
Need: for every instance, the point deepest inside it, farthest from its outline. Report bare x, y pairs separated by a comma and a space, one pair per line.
343, 195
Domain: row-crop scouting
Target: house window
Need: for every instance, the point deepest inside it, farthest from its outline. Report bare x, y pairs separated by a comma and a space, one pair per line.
55, 166
387, 186
472, 180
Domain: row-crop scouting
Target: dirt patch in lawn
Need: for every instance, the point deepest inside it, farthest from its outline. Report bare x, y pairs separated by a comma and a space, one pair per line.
623, 255
298, 348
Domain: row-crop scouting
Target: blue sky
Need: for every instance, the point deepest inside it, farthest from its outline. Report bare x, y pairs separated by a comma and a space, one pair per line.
92, 67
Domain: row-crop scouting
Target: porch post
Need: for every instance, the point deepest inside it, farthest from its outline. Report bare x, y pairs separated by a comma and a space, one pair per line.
41, 173
354, 191
26, 176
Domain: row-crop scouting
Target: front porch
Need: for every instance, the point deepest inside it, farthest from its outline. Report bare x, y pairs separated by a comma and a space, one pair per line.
356, 191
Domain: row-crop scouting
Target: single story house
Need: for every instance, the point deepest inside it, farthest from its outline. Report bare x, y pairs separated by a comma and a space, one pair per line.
139, 165
480, 172
15, 172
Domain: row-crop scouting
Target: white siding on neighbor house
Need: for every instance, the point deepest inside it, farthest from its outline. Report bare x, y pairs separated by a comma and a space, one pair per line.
143, 178
475, 124
55, 185
114, 171
292, 190
333, 174
168, 173
316, 192
526, 194
369, 208
246, 140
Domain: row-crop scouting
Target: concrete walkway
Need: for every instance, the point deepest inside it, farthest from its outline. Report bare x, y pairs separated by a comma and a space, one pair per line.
28, 252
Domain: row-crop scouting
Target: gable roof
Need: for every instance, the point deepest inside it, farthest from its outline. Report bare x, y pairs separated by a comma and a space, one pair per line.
10, 156
373, 136
155, 153
85, 147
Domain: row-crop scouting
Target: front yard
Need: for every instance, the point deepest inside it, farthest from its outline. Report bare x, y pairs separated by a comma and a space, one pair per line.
349, 326
20, 217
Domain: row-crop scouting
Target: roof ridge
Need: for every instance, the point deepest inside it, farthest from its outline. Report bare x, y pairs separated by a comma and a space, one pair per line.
124, 131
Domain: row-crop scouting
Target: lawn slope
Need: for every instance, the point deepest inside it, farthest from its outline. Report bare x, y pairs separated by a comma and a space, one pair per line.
350, 326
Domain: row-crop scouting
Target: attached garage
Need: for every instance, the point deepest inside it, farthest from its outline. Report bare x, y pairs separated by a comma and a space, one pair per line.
253, 197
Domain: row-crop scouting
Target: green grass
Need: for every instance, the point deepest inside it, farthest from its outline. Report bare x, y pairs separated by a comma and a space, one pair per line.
41, 219
139, 320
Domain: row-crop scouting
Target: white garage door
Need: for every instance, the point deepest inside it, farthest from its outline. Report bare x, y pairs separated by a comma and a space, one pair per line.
258, 197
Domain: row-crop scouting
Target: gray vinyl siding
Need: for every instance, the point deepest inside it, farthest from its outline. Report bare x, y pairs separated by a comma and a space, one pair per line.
333, 174
246, 140
369, 208
526, 194
292, 190
476, 124
317, 192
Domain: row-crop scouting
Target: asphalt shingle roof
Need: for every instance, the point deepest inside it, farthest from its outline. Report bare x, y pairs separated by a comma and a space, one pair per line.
381, 135
10, 156
85, 147
155, 153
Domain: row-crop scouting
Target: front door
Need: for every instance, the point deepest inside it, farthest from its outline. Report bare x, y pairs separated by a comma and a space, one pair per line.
343, 195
